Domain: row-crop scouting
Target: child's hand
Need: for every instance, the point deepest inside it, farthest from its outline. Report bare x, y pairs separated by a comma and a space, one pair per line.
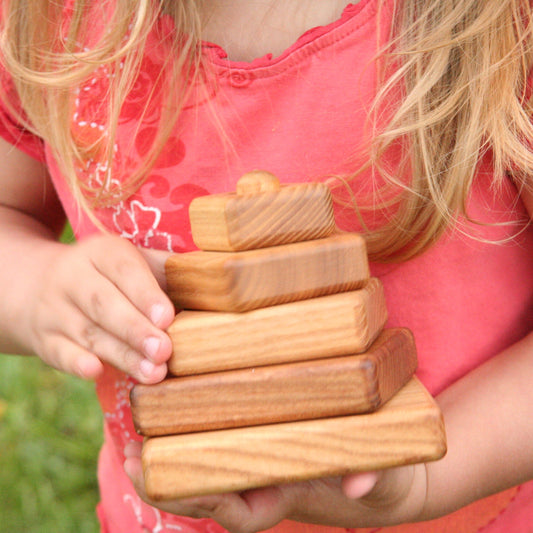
99, 301
366, 500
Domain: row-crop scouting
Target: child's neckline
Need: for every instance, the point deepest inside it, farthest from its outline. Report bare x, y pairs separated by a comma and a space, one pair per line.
321, 35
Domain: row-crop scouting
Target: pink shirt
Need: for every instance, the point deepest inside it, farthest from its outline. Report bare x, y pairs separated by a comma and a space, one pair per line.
301, 115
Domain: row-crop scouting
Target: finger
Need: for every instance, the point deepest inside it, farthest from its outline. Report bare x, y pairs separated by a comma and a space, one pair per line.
399, 495
156, 260
268, 506
133, 465
68, 355
121, 355
68, 322
133, 449
104, 305
228, 510
392, 486
356, 486
248, 512
254, 511
124, 265
71, 358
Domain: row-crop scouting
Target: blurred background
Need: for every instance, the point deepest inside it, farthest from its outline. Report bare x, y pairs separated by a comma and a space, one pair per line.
50, 436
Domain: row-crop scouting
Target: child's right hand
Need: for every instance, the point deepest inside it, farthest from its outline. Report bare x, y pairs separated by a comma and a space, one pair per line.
99, 301
75, 306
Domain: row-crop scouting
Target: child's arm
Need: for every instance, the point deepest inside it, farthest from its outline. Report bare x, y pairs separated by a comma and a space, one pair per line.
75, 306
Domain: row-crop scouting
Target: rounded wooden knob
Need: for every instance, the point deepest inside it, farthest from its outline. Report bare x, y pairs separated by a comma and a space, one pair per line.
257, 181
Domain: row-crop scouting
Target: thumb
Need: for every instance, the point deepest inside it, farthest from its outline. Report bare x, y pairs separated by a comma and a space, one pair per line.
355, 486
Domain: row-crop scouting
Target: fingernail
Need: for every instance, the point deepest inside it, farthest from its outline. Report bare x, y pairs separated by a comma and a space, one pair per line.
147, 367
157, 313
151, 346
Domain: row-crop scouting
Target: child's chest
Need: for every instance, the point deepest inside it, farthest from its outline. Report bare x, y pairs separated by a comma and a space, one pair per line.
248, 29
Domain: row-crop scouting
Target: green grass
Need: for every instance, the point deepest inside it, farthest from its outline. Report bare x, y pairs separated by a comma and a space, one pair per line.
50, 433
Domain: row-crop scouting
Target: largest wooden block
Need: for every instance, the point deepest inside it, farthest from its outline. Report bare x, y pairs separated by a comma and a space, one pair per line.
266, 215
241, 281
279, 393
407, 429
338, 324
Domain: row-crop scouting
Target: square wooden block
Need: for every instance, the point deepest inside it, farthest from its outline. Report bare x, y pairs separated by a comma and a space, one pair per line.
407, 429
241, 281
338, 324
279, 393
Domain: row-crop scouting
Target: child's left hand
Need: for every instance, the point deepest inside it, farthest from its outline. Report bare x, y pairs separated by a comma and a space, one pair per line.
364, 500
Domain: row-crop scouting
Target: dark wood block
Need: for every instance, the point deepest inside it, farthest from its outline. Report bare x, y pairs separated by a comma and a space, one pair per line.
278, 393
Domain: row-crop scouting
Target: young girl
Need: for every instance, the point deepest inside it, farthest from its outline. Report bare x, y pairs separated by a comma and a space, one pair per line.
117, 113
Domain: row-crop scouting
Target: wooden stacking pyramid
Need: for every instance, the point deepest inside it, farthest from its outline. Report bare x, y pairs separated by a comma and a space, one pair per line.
282, 369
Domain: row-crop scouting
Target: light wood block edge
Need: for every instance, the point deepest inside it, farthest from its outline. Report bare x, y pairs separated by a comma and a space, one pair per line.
407, 429
339, 324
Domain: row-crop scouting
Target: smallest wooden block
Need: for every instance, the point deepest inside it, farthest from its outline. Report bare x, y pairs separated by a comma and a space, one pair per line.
408, 429
280, 393
241, 281
261, 213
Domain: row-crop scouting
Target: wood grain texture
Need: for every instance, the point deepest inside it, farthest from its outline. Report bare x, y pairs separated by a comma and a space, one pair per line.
260, 214
407, 429
241, 281
338, 324
279, 393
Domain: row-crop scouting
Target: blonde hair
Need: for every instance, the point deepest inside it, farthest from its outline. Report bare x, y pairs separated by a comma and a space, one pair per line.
459, 66
48, 60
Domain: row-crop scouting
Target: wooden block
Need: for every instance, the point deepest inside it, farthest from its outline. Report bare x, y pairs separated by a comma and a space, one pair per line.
407, 429
280, 393
241, 281
261, 213
338, 324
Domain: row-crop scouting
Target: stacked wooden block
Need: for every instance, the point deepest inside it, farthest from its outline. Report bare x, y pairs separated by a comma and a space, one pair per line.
281, 368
